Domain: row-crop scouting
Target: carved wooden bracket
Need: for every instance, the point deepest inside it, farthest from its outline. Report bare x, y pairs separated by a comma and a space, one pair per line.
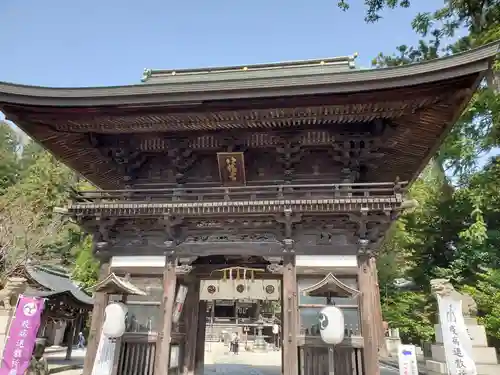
288, 218
169, 223
184, 265
232, 142
122, 151
370, 236
182, 159
102, 239
275, 267
290, 153
183, 269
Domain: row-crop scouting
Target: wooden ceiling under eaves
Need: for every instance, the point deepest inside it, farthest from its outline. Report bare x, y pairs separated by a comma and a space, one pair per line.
420, 114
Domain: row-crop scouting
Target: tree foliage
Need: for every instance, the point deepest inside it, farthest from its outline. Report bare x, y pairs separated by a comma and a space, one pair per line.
32, 184
454, 233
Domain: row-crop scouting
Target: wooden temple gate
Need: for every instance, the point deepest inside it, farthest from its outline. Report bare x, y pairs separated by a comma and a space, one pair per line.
138, 353
297, 168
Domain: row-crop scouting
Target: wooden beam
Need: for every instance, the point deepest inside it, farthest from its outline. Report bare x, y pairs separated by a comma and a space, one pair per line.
290, 319
368, 330
200, 340
100, 303
162, 360
191, 310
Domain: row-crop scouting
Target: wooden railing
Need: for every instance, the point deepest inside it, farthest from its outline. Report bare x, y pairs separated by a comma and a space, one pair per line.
314, 357
244, 193
137, 355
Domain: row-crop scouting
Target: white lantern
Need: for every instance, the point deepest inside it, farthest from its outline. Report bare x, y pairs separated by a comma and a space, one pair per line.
114, 320
331, 325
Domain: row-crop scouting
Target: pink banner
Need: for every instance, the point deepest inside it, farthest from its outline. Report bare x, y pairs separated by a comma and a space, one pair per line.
22, 336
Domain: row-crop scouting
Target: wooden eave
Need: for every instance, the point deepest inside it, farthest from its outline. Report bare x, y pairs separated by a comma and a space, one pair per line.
330, 286
421, 100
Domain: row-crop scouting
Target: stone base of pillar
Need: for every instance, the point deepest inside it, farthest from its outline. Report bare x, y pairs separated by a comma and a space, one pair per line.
259, 345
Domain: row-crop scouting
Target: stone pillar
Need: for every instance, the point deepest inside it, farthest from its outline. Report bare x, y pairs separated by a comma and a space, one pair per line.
100, 303
289, 313
162, 360
368, 318
60, 328
484, 356
200, 340
191, 314
257, 309
392, 342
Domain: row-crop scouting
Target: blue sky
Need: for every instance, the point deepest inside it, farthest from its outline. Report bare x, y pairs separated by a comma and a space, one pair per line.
110, 42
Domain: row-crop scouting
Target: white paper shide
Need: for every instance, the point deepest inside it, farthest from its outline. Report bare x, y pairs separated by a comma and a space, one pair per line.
456, 340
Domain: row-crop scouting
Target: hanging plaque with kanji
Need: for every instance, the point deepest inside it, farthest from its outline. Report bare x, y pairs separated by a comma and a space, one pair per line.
231, 168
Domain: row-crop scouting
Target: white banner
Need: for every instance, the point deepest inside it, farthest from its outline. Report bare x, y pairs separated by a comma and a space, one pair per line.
179, 303
407, 359
456, 340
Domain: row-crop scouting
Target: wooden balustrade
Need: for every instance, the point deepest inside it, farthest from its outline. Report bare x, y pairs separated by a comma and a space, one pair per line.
137, 355
315, 356
238, 193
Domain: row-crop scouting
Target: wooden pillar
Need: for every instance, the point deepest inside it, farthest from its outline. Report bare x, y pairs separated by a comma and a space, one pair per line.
79, 325
200, 340
191, 310
377, 308
100, 303
290, 317
367, 289
162, 360
73, 326
236, 307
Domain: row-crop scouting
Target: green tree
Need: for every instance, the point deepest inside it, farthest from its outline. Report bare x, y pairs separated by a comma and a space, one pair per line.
486, 292
373, 7
454, 232
9, 148
86, 269
29, 228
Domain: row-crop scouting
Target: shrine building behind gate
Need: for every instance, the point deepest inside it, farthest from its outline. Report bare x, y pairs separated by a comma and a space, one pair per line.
293, 169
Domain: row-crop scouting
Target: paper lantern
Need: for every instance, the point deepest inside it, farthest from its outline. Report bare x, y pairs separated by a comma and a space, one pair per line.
331, 325
114, 320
